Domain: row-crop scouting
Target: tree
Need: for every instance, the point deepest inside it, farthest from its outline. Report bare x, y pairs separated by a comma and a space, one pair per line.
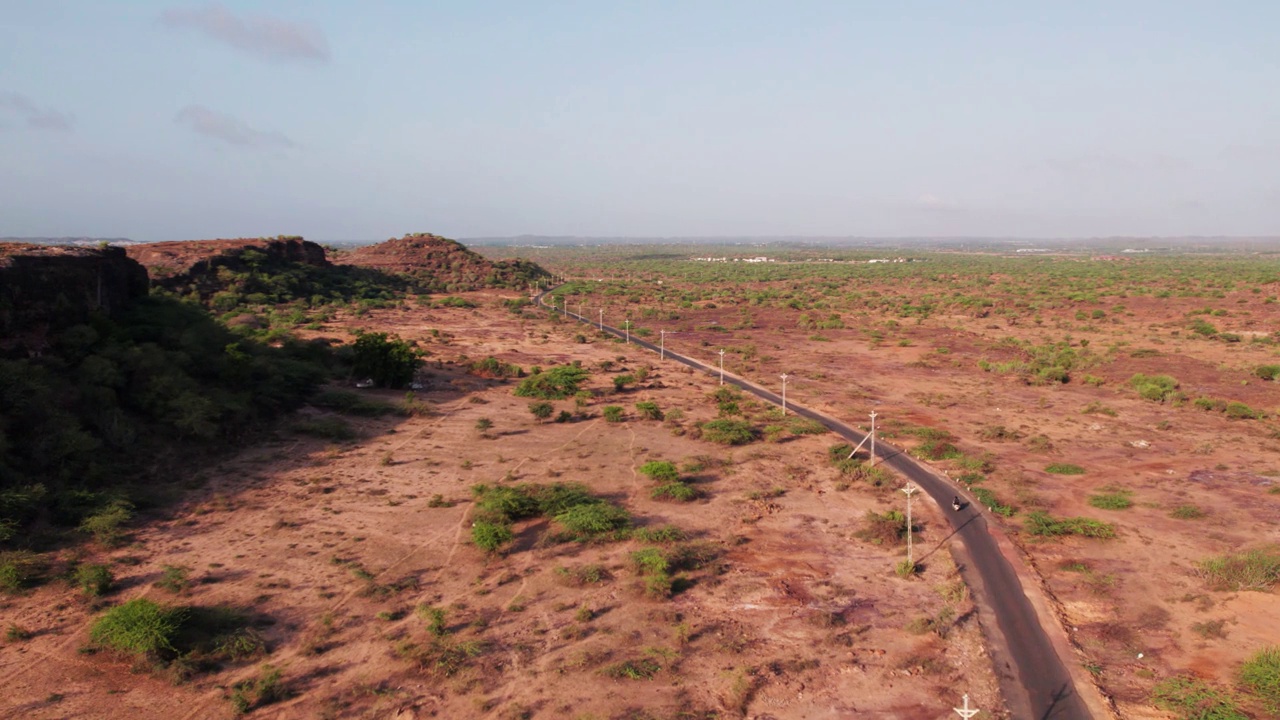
541, 410
386, 359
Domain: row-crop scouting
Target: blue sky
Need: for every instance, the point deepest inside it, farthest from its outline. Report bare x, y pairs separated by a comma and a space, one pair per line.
366, 120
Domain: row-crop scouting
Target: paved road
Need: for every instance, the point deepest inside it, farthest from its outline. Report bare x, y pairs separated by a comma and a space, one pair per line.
1032, 665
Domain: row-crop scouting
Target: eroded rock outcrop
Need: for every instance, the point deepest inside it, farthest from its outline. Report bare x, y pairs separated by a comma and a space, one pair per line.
438, 264
44, 288
186, 262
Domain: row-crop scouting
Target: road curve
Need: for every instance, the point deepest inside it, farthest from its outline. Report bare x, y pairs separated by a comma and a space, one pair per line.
1033, 666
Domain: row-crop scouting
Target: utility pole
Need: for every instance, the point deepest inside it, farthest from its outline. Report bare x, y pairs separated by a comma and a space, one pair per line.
910, 489
601, 319
579, 311
873, 442
627, 323
966, 712
662, 344
721, 366
784, 393
871, 437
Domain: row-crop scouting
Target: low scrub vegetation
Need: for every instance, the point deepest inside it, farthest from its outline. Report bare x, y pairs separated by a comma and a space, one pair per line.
664, 570
581, 516
1064, 469
728, 431
992, 503
184, 639
1260, 674
557, 383
1256, 569
1157, 388
1042, 524
1118, 500
1190, 698
887, 528
85, 422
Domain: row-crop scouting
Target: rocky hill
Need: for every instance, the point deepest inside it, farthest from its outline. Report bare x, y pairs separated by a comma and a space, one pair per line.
45, 288
184, 262
437, 264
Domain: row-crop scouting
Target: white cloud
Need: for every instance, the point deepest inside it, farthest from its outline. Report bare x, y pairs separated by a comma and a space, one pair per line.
35, 117
268, 37
229, 129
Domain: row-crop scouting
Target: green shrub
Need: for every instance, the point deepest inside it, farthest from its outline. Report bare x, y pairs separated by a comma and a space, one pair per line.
992, 503
1187, 512
583, 574
888, 528
1256, 569
20, 569
660, 534
587, 521
139, 627
1064, 469
454, 302
94, 580
649, 410
541, 410
490, 537
1040, 523
1240, 411
1119, 500
1203, 327
805, 426
839, 452
1158, 388
1261, 675
265, 689
505, 503
558, 497
1267, 372
936, 450
557, 383
642, 669
1097, 408
494, 368
435, 618
660, 471
386, 359
677, 491
174, 578
612, 413
727, 431
999, 433
107, 525
1191, 698
650, 561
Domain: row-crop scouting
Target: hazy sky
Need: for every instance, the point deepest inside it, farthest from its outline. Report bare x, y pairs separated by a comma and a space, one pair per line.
364, 120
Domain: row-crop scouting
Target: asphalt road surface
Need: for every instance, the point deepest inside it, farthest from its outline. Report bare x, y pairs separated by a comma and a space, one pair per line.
1030, 662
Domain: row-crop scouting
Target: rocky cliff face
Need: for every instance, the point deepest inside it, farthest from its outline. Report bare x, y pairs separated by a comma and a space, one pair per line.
44, 288
180, 262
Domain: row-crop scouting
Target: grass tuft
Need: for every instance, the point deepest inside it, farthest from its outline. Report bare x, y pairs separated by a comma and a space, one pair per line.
1257, 569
